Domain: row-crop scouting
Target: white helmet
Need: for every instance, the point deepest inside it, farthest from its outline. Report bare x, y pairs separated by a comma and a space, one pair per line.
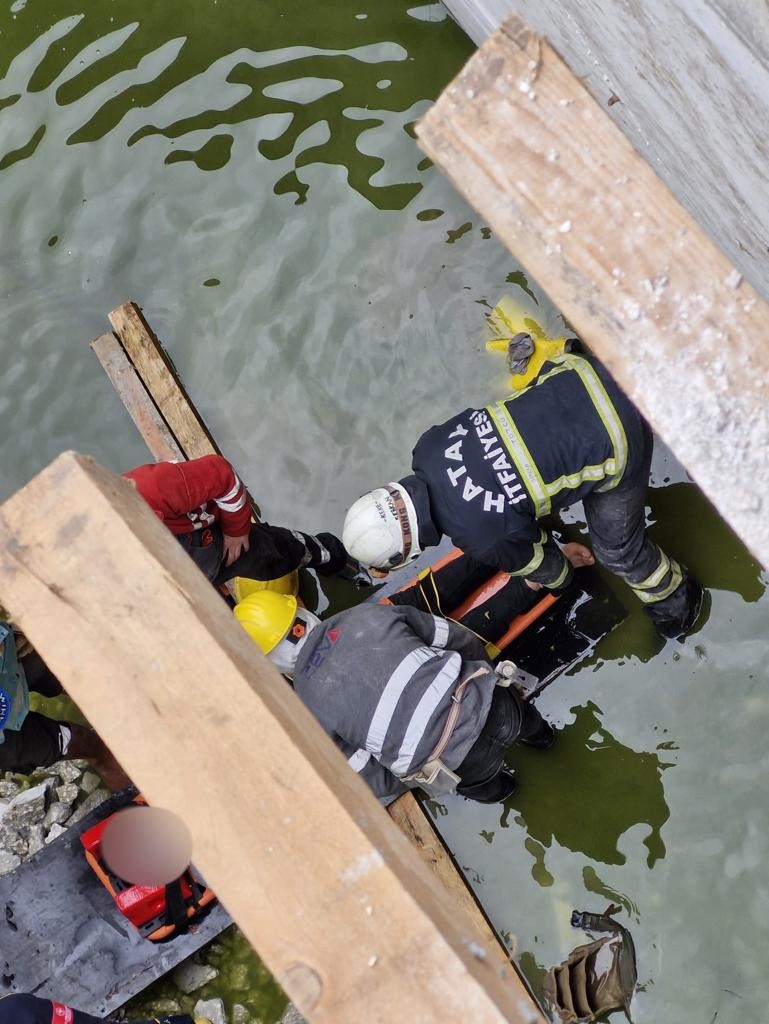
381, 529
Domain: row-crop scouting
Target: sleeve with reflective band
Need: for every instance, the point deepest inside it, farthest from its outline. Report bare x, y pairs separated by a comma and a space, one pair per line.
191, 495
540, 561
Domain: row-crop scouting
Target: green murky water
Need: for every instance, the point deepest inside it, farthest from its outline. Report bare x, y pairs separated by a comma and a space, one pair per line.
247, 172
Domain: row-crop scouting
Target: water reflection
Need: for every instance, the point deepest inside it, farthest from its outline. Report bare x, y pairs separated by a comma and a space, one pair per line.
586, 793
686, 523
200, 74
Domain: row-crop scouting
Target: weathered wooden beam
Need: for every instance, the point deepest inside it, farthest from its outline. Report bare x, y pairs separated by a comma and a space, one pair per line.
306, 861
635, 275
406, 811
140, 407
160, 379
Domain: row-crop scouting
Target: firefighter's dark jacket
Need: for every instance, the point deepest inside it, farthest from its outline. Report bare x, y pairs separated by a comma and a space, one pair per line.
486, 476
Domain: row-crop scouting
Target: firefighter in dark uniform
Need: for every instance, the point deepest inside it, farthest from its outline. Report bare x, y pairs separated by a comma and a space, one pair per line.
487, 476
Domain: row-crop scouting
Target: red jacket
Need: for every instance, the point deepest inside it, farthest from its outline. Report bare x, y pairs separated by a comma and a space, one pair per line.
192, 495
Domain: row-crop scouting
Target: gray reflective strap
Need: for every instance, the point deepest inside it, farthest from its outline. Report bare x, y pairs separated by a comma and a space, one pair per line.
425, 709
359, 760
388, 701
441, 637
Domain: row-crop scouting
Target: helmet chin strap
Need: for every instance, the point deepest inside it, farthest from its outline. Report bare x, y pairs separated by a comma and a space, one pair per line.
401, 503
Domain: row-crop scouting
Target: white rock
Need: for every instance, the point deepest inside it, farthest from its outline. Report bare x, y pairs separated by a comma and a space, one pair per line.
89, 782
240, 1014
68, 771
12, 841
90, 803
54, 832
9, 788
167, 1006
36, 839
57, 814
211, 1009
8, 861
189, 976
68, 793
29, 806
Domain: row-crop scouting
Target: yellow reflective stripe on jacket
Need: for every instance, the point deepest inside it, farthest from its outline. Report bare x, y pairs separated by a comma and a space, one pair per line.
610, 471
573, 480
611, 421
540, 379
519, 453
536, 559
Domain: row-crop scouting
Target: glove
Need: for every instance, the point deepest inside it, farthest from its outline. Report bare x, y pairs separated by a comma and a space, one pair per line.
336, 549
356, 573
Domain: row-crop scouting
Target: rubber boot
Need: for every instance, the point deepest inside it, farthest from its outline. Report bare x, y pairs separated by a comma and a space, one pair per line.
697, 611
543, 737
534, 731
491, 791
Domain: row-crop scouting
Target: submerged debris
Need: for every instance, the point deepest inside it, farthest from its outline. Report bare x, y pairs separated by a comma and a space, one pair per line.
597, 977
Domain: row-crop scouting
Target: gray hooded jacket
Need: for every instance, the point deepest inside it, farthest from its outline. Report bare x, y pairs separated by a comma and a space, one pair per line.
380, 680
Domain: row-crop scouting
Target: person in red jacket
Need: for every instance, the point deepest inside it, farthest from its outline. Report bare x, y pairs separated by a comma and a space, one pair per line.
205, 505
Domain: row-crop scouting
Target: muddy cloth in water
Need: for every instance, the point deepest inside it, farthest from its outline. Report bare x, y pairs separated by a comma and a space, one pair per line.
595, 978
26, 1009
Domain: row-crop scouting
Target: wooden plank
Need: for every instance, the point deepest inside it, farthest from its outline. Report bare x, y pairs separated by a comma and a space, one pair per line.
158, 374
160, 379
140, 407
407, 811
413, 822
307, 862
639, 280
697, 113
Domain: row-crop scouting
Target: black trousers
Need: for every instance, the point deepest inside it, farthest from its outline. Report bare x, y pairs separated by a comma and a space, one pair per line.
510, 719
273, 552
37, 743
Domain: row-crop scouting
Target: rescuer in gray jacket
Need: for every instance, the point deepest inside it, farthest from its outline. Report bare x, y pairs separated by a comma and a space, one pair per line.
409, 698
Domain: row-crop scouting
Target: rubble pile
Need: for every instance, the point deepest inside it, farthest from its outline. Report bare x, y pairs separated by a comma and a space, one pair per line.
37, 810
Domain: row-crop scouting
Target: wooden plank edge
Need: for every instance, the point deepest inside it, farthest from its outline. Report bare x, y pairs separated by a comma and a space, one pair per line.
136, 399
641, 282
157, 372
368, 926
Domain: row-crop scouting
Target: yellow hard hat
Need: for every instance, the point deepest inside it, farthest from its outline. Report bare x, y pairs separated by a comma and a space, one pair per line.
509, 318
266, 616
288, 584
